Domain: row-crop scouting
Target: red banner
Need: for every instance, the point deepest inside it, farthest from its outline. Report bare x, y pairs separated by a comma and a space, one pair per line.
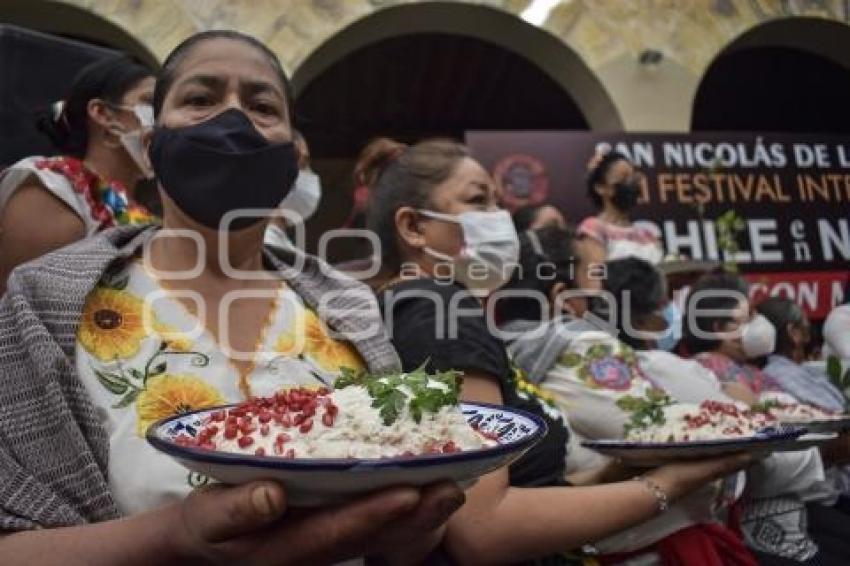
817, 292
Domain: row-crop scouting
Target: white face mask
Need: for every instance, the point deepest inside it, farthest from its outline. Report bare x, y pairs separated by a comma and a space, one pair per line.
670, 337
276, 236
758, 337
304, 197
133, 141
134, 145
490, 252
836, 332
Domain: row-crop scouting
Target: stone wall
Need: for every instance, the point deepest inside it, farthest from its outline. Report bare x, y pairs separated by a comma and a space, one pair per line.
602, 38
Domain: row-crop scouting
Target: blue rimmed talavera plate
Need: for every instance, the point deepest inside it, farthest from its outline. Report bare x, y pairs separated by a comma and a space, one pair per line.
649, 454
312, 482
838, 423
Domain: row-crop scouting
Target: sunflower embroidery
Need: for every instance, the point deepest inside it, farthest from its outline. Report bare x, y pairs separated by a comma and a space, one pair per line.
176, 340
309, 337
173, 394
112, 324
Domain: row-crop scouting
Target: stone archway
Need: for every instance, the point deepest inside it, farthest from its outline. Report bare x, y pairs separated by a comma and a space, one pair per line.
541, 49
797, 63
74, 22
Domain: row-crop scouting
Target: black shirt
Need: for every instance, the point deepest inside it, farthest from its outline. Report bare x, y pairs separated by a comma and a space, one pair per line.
439, 324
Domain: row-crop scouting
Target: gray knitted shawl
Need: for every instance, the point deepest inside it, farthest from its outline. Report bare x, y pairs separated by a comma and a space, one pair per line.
53, 447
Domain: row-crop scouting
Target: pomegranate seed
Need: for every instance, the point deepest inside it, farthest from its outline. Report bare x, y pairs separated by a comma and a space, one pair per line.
217, 416
260, 451
230, 432
283, 438
299, 418
328, 420
245, 441
278, 449
309, 411
230, 420
264, 417
289, 453
264, 430
332, 409
212, 430
306, 426
286, 421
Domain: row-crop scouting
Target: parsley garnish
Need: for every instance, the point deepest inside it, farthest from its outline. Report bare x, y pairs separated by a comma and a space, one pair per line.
645, 411
765, 406
428, 393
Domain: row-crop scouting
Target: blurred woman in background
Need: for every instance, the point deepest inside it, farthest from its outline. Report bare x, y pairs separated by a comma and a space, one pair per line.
785, 368
614, 187
731, 339
48, 202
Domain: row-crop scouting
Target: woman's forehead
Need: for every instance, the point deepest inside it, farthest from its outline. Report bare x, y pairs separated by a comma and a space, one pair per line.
227, 59
620, 168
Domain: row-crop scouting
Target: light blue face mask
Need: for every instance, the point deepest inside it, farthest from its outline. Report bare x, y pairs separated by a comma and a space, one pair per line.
670, 337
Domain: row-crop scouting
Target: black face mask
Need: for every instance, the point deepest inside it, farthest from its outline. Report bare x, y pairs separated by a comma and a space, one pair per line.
626, 195
222, 164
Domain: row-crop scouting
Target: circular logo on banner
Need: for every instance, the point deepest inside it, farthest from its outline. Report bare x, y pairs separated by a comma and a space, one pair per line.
522, 180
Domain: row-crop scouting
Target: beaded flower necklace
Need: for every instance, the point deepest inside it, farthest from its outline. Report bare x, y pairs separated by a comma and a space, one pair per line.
107, 199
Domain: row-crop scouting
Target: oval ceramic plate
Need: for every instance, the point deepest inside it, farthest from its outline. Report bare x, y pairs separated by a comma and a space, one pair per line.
648, 454
312, 482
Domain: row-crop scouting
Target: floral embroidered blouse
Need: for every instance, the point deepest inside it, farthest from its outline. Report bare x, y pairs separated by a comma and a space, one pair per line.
98, 202
640, 239
728, 370
143, 357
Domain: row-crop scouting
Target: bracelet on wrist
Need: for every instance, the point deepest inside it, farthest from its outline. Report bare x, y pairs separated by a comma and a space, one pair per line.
662, 501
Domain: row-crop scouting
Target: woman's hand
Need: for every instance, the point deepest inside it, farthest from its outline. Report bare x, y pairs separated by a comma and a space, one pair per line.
249, 524
681, 478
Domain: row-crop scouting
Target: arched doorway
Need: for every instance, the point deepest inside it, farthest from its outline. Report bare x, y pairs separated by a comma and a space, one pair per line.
42, 47
788, 75
436, 69
64, 20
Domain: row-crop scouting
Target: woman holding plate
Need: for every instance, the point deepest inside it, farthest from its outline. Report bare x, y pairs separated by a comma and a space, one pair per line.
136, 324
447, 245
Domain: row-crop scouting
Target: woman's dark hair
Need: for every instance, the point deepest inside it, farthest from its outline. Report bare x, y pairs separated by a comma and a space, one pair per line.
107, 79
525, 216
726, 290
404, 176
172, 62
782, 312
597, 173
638, 289
546, 257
